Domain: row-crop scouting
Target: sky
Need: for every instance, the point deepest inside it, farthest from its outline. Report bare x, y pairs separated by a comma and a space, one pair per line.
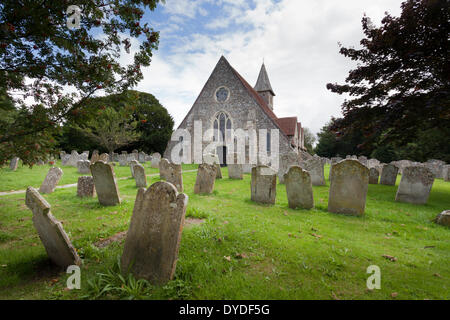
296, 39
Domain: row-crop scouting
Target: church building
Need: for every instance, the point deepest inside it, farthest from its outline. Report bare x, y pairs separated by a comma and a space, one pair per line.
228, 101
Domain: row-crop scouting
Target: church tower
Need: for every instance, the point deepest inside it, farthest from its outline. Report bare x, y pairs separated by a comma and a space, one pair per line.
264, 88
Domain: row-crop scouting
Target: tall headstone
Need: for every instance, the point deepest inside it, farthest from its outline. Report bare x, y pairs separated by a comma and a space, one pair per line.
374, 174
263, 185
389, 175
415, 185
83, 166
14, 163
151, 246
55, 240
299, 188
348, 188
206, 176
51, 180
85, 187
105, 183
286, 161
139, 176
132, 164
156, 158
315, 167
172, 173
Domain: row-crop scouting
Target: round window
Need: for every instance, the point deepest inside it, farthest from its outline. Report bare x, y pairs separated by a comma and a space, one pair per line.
222, 94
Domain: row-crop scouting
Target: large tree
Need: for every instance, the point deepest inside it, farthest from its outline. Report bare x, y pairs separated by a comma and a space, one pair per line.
40, 56
401, 83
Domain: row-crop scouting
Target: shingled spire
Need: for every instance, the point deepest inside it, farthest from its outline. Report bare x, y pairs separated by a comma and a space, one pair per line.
264, 88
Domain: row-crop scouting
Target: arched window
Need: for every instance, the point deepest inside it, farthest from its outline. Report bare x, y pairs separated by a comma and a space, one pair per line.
221, 123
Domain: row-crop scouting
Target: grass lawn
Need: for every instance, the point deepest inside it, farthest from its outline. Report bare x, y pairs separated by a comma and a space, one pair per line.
242, 250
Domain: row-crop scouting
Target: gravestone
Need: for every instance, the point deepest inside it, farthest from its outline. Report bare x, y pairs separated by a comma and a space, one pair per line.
83, 166
156, 158
95, 156
315, 167
443, 218
374, 174
141, 157
14, 163
235, 170
73, 159
172, 173
65, 159
139, 176
132, 164
299, 188
415, 185
214, 160
206, 176
153, 238
55, 240
389, 175
105, 183
51, 180
103, 157
286, 161
85, 187
263, 185
348, 187
446, 172
122, 160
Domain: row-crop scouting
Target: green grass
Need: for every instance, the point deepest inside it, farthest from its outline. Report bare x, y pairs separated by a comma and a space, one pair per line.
242, 250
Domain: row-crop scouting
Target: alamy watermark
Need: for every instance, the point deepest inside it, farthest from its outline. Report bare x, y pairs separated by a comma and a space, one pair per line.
74, 17
373, 281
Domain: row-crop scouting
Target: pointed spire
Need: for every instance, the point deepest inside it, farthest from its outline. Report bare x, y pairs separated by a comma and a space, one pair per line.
263, 83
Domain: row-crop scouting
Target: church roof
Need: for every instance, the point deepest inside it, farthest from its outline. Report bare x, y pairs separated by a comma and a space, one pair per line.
288, 125
263, 83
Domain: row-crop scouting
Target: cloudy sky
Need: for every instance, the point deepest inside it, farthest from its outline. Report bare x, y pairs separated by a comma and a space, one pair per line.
297, 39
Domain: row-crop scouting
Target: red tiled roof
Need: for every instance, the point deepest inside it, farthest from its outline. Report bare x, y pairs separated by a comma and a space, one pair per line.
288, 125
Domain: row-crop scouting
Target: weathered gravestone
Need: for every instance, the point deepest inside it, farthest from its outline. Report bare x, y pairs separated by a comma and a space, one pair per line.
286, 161
156, 158
374, 174
263, 185
151, 246
139, 176
122, 160
415, 185
103, 157
50, 231
214, 160
172, 173
51, 180
348, 188
132, 164
105, 183
14, 163
206, 176
446, 172
235, 170
443, 218
299, 188
83, 166
141, 157
65, 159
315, 167
85, 187
95, 156
73, 159
389, 175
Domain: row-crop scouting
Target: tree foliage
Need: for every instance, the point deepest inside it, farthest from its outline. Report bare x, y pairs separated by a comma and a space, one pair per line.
402, 80
309, 140
40, 57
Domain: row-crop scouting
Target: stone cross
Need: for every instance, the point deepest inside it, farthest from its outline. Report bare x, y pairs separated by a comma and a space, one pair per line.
348, 187
50, 231
105, 183
299, 188
153, 239
206, 176
415, 185
51, 180
263, 185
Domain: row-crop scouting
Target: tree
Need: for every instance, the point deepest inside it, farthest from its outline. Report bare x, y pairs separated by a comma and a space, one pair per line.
36, 44
309, 140
402, 80
111, 129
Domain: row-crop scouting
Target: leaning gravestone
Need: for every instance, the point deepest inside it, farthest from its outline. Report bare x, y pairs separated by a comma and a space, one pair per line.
139, 176
263, 185
151, 246
389, 175
105, 183
85, 187
51, 180
348, 187
53, 237
374, 174
286, 161
443, 218
14, 163
214, 160
235, 170
299, 188
206, 176
132, 164
315, 167
172, 173
415, 185
83, 166
156, 158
